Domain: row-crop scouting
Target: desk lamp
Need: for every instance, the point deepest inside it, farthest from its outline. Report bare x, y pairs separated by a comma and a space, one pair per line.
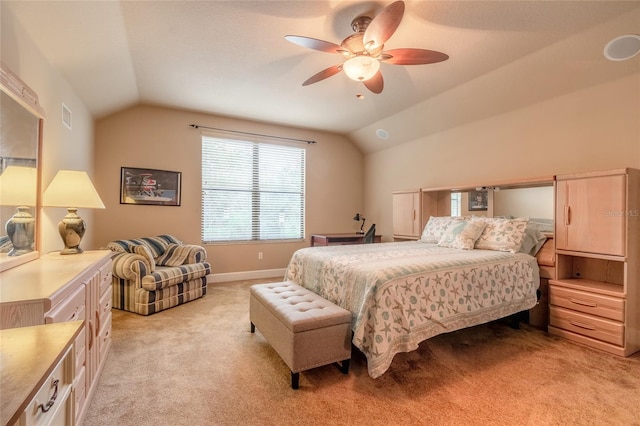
358, 218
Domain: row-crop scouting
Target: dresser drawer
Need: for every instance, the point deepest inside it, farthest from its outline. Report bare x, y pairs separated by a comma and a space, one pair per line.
590, 303
80, 345
80, 390
71, 309
52, 403
587, 325
105, 277
104, 338
106, 302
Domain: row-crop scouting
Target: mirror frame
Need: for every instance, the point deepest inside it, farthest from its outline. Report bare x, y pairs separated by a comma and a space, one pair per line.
16, 89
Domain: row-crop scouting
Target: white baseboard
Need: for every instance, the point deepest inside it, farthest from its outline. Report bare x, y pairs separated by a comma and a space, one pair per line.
246, 275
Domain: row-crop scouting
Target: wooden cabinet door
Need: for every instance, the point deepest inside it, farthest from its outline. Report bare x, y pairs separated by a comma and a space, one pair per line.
591, 215
406, 214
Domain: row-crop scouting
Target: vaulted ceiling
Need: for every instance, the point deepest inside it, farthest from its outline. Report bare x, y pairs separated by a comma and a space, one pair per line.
231, 58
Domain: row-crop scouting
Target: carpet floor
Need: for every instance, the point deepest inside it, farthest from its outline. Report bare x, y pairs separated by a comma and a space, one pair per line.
198, 364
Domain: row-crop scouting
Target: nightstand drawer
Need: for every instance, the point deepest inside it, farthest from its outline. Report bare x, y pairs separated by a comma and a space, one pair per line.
590, 303
587, 325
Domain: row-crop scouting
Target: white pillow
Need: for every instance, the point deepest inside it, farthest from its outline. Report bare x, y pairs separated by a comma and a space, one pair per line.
435, 227
502, 234
462, 234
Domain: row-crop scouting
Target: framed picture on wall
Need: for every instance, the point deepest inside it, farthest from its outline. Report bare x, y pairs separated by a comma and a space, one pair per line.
149, 186
478, 200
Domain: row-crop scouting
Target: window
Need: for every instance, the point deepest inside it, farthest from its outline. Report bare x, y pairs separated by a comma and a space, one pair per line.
456, 203
251, 191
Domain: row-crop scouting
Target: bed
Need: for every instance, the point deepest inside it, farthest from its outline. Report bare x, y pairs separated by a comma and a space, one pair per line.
401, 293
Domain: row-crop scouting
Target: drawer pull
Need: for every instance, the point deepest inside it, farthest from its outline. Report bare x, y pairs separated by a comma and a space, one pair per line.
583, 303
582, 325
52, 401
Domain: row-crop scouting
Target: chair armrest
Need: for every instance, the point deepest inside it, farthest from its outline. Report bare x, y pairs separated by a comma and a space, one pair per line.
196, 253
130, 266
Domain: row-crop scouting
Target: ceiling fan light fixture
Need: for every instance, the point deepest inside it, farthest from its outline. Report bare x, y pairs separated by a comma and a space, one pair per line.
361, 67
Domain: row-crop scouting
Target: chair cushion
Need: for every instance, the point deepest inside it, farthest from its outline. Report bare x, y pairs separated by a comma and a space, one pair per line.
167, 276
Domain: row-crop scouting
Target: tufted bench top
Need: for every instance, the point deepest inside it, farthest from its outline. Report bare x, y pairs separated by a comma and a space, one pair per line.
298, 308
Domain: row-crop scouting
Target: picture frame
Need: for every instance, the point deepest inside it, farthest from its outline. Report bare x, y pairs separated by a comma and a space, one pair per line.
478, 200
150, 186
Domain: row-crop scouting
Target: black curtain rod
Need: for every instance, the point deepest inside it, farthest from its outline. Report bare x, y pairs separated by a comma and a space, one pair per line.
197, 126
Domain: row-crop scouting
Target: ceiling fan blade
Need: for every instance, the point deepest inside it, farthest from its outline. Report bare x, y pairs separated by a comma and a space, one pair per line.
375, 83
384, 25
313, 43
326, 73
412, 56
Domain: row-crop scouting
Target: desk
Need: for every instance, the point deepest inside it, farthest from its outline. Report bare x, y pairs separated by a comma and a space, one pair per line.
339, 239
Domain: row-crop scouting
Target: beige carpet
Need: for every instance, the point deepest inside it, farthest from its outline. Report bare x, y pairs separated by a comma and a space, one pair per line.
198, 364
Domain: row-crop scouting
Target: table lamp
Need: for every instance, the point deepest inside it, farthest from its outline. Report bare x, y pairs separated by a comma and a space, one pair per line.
360, 218
72, 188
18, 187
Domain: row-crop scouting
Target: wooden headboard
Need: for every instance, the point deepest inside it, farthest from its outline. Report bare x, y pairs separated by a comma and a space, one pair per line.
547, 258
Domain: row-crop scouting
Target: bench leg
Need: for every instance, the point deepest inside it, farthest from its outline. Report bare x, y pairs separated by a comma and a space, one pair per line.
253, 328
343, 366
295, 380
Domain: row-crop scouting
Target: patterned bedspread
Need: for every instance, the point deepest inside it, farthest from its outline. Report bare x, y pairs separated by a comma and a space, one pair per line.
402, 293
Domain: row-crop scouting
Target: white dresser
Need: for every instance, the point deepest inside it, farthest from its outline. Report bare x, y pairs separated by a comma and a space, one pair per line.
57, 288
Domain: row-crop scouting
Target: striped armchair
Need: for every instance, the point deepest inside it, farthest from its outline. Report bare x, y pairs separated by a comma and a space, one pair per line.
152, 274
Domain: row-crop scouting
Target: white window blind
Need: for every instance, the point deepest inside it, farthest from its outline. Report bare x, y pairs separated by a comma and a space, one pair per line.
456, 203
251, 191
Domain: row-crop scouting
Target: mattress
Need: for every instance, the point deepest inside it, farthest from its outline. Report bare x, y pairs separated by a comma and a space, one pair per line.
401, 293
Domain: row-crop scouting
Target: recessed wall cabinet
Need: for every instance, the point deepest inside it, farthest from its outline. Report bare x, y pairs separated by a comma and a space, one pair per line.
595, 299
55, 289
406, 215
412, 209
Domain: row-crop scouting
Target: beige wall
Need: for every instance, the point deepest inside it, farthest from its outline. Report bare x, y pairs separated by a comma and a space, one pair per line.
61, 148
588, 126
160, 138
596, 128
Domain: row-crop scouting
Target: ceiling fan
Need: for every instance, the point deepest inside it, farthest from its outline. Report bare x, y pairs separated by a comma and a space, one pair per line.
363, 50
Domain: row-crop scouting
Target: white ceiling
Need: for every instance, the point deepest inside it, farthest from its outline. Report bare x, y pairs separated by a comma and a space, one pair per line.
230, 57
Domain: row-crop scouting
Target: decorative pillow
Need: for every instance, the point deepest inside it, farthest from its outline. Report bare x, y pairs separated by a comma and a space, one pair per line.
435, 227
533, 239
144, 252
462, 234
502, 234
174, 255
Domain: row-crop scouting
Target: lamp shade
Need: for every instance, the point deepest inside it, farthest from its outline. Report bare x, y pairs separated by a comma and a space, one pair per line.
18, 186
72, 188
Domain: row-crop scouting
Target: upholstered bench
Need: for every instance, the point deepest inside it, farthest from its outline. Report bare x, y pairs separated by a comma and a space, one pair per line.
306, 330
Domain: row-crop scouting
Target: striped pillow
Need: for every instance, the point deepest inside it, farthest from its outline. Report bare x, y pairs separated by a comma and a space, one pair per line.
174, 255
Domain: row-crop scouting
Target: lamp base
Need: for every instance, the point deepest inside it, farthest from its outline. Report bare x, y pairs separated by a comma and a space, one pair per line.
72, 228
21, 231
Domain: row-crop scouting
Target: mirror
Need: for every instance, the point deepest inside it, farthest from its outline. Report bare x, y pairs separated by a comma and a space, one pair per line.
21, 120
533, 202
